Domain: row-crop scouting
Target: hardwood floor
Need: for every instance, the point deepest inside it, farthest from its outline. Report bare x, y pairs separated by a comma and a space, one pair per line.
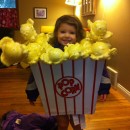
12, 94
113, 114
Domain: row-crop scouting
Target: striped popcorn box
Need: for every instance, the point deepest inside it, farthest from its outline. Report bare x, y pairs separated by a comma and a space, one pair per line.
70, 87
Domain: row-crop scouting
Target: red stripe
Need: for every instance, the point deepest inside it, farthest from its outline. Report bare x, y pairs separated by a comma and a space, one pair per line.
65, 106
62, 73
54, 89
43, 83
72, 68
73, 74
93, 91
74, 106
83, 86
79, 118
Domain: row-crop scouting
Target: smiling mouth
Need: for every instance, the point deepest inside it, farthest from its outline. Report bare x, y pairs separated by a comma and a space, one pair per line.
66, 41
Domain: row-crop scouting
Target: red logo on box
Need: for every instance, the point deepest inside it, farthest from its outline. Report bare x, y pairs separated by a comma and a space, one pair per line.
68, 87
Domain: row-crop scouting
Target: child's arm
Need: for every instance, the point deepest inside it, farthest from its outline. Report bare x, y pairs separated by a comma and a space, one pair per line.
105, 85
32, 90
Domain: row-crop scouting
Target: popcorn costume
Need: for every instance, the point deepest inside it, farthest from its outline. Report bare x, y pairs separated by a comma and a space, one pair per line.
73, 74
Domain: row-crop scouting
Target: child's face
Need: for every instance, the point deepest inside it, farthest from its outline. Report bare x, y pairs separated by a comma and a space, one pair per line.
66, 34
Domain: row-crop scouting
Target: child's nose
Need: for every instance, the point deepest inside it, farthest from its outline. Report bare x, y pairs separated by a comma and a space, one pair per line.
67, 34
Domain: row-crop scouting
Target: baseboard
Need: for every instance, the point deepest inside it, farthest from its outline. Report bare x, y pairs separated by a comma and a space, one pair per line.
123, 91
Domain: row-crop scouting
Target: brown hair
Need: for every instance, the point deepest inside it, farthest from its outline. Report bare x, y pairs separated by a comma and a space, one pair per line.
71, 20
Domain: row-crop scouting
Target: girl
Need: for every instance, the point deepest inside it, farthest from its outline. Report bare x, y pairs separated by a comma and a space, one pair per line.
68, 29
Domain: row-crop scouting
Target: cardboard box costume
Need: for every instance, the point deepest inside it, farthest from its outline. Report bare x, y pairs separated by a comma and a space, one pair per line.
70, 87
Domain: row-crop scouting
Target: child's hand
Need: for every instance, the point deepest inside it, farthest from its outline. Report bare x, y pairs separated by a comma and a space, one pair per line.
103, 97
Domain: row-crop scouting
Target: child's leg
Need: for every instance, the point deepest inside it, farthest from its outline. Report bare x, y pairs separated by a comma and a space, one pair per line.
75, 127
63, 122
103, 97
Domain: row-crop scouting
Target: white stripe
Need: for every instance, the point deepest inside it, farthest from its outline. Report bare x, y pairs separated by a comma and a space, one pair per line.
67, 68
79, 75
60, 100
49, 87
88, 85
37, 76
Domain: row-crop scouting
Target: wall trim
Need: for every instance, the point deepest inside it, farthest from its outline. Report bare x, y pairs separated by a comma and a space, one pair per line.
123, 91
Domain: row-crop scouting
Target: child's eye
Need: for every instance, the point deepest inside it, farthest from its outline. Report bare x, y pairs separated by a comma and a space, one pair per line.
62, 31
72, 32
